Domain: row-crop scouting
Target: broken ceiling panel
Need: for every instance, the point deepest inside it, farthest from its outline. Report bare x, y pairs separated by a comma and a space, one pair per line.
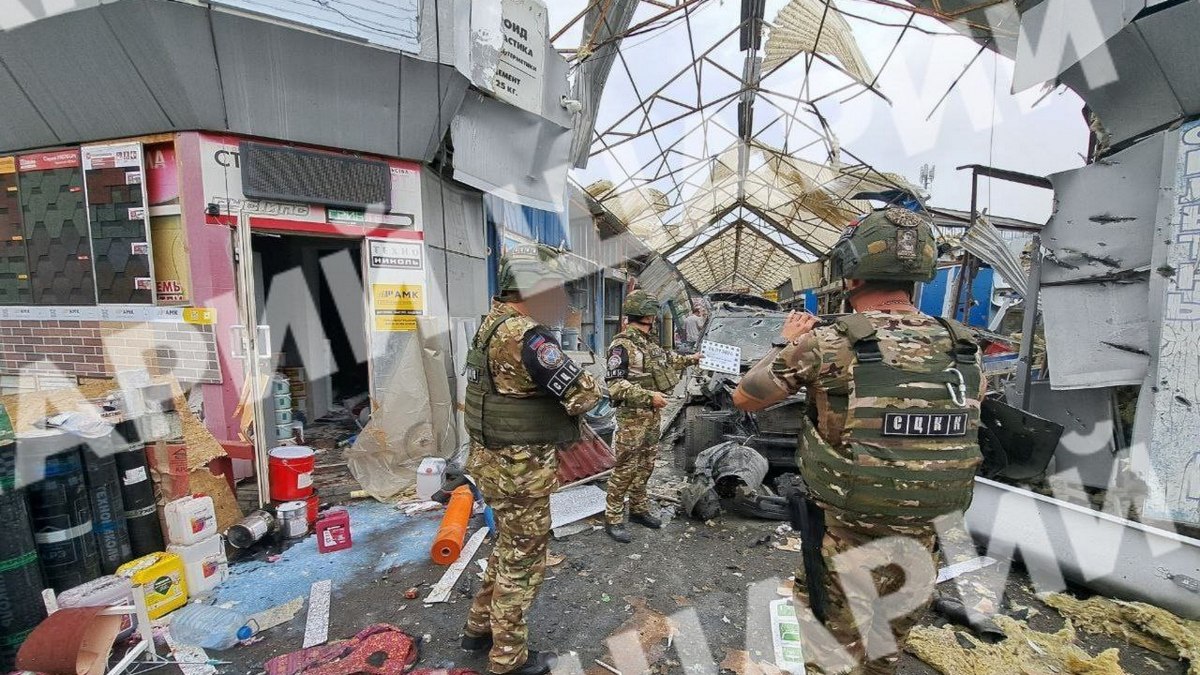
1056, 34
813, 26
738, 257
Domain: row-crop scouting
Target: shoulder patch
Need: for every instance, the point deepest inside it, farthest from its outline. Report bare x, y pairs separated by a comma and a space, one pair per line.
549, 367
618, 363
903, 217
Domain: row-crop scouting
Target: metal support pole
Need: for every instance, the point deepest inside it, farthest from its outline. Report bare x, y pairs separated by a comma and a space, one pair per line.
251, 350
964, 273
1028, 326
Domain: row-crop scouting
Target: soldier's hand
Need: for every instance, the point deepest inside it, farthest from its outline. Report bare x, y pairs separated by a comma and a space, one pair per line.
659, 401
694, 359
798, 324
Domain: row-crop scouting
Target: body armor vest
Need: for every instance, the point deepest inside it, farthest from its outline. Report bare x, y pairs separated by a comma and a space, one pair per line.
495, 420
659, 375
911, 441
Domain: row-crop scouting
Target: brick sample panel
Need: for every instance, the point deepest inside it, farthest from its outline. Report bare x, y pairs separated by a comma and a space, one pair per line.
116, 203
56, 229
14, 263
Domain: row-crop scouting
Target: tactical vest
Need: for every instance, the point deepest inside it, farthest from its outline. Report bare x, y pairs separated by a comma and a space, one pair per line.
659, 375
912, 443
495, 420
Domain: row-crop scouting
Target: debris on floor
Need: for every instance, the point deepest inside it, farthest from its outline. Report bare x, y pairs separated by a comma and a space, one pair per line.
741, 663
280, 614
441, 591
575, 504
376, 649
642, 640
955, 651
1134, 622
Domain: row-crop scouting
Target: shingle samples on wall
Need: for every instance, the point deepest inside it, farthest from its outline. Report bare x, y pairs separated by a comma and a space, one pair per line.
116, 206
14, 263
56, 229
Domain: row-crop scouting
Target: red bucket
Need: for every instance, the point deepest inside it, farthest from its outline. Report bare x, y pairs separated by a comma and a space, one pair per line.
290, 468
314, 506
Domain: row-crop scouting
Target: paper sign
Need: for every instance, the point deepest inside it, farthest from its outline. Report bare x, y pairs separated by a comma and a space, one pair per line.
785, 634
720, 358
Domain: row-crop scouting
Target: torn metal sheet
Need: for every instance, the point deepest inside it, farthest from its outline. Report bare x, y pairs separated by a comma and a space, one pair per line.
1103, 223
568, 506
511, 153
983, 241
1060, 542
441, 590
1086, 453
1096, 334
594, 69
958, 569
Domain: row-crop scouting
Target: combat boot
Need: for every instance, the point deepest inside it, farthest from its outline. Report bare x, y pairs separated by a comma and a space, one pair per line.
618, 532
476, 643
538, 663
646, 520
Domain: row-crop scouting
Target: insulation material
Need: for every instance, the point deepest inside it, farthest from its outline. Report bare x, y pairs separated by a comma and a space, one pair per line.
119, 220
1024, 652
14, 263
412, 422
56, 229
738, 257
1137, 623
810, 26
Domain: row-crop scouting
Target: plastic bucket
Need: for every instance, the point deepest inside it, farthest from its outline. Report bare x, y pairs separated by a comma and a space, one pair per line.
290, 469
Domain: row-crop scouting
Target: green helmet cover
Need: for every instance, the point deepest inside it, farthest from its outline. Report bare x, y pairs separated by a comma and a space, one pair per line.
641, 303
892, 244
522, 267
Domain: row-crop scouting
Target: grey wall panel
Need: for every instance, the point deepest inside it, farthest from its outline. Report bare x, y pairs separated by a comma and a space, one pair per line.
283, 83
1097, 335
73, 69
171, 47
23, 127
1139, 99
466, 287
420, 133
464, 223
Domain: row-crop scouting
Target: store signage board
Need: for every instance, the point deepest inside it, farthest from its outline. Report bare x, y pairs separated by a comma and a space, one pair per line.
520, 72
394, 25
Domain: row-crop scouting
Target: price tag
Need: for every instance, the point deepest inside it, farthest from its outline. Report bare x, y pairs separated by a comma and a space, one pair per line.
720, 358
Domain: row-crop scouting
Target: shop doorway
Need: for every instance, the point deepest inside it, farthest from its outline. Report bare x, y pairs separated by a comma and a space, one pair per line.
308, 291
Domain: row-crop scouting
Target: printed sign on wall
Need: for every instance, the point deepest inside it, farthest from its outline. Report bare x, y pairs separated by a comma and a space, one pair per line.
119, 222
520, 71
396, 272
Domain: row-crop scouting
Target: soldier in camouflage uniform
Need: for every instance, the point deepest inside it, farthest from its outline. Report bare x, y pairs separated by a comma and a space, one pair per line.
640, 372
524, 400
891, 443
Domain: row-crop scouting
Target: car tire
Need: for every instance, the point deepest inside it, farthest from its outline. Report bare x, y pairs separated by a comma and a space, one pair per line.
700, 432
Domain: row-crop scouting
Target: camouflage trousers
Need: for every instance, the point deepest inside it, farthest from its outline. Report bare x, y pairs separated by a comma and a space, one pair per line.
635, 443
845, 533
515, 571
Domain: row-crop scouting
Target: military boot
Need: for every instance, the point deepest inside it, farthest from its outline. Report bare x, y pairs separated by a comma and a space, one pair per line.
618, 532
646, 520
476, 643
538, 663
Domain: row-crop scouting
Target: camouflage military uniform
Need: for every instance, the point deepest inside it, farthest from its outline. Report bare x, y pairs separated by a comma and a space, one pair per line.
824, 362
632, 359
517, 481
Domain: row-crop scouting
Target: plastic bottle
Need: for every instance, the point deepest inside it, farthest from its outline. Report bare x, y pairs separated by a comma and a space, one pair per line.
209, 627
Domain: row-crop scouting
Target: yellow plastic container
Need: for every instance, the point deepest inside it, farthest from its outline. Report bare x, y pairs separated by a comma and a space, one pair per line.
161, 576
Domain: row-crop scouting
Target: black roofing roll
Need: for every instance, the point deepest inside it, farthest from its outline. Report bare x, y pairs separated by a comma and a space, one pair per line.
62, 522
21, 583
108, 509
141, 509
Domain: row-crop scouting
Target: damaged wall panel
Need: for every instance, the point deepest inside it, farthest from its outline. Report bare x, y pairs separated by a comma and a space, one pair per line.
1097, 265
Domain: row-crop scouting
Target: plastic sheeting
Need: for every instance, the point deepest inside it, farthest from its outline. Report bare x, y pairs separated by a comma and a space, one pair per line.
413, 421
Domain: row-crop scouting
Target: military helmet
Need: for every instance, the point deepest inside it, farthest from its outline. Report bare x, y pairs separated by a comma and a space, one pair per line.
522, 267
891, 244
641, 303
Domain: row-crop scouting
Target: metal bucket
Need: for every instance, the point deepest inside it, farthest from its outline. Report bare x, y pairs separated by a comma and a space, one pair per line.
293, 519
252, 528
